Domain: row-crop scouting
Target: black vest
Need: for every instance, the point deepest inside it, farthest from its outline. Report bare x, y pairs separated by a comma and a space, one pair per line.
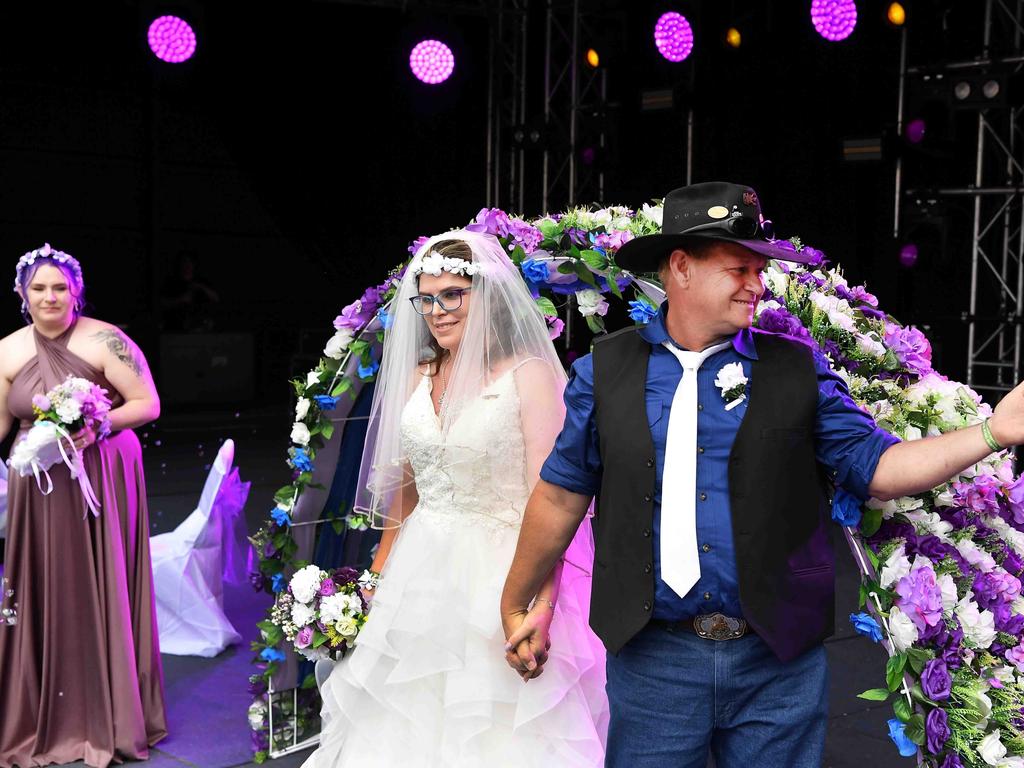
779, 510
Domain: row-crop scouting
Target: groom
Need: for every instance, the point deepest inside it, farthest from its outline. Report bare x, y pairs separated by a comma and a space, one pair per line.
704, 443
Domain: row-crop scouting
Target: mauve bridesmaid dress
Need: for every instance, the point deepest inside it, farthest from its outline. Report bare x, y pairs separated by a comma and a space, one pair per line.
80, 674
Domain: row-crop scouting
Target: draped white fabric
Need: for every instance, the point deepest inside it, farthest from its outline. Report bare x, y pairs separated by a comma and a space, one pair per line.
191, 563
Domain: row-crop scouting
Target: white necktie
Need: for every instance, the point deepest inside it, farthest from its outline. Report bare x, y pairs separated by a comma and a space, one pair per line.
680, 565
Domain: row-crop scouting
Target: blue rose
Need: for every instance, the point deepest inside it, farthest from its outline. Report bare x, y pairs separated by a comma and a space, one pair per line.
865, 625
277, 584
641, 312
271, 654
846, 509
326, 402
300, 460
366, 371
535, 271
281, 517
897, 733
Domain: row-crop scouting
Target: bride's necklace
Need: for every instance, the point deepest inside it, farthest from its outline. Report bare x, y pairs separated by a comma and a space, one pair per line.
444, 389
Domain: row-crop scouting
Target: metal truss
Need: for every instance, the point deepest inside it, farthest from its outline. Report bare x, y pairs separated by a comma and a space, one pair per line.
575, 104
506, 104
997, 196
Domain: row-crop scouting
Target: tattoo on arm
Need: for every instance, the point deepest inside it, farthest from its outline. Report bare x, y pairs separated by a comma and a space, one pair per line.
121, 348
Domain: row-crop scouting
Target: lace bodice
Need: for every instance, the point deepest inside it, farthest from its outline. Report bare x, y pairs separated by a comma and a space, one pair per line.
478, 477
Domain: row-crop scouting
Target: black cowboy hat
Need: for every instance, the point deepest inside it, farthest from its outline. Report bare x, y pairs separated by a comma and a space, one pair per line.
713, 210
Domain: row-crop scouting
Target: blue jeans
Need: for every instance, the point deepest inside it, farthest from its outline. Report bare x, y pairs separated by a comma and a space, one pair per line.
675, 697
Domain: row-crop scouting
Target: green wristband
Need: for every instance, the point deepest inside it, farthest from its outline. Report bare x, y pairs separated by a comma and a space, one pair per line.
990, 441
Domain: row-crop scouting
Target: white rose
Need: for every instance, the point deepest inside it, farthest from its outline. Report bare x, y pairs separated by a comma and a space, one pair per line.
305, 583
897, 565
949, 597
979, 626
652, 212
902, 630
69, 410
763, 305
313, 377
944, 498
346, 627
837, 310
302, 614
301, 408
591, 303
991, 748
602, 217
338, 343
868, 345
300, 434
257, 711
976, 556
777, 280
929, 522
353, 604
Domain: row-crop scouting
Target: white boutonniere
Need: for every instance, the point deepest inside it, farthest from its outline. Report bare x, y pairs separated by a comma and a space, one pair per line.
733, 383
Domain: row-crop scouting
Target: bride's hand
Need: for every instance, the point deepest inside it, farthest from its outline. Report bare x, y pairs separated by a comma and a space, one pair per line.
526, 649
83, 438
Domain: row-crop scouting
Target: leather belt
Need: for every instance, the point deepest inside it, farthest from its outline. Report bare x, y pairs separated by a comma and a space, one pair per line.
711, 626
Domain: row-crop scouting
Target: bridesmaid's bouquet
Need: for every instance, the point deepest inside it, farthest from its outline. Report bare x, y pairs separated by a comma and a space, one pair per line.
67, 408
319, 613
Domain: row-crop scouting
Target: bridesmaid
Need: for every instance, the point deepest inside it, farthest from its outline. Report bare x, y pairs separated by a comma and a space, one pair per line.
80, 674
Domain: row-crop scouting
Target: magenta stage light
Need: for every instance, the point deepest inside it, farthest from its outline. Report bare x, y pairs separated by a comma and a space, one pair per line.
834, 19
673, 36
171, 39
908, 255
432, 61
914, 131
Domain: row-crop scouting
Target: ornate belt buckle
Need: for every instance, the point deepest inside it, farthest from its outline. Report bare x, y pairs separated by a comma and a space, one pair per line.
716, 626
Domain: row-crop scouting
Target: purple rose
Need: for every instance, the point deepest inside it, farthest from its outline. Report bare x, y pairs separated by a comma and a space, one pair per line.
980, 495
328, 587
354, 316
260, 740
418, 243
1016, 657
996, 587
257, 685
345, 575
304, 638
910, 347
919, 596
936, 681
1015, 493
42, 402
492, 221
613, 240
930, 546
257, 580
936, 729
860, 294
951, 761
781, 321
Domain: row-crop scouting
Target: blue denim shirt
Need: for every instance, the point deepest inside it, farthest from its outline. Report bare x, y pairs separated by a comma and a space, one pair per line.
847, 441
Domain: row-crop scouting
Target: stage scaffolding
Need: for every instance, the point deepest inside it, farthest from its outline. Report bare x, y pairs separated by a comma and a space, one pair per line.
996, 193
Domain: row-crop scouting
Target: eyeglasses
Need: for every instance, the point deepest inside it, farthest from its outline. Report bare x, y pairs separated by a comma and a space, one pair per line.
449, 301
740, 226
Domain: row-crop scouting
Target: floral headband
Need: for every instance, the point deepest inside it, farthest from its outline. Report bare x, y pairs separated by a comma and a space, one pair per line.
46, 252
433, 263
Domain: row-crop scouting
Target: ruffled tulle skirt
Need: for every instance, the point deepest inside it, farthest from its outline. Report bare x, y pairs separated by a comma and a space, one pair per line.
428, 685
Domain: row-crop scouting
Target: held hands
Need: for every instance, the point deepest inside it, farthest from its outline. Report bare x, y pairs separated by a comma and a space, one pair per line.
83, 438
529, 641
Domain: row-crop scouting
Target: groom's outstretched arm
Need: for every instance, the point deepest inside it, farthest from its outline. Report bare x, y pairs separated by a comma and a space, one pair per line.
551, 518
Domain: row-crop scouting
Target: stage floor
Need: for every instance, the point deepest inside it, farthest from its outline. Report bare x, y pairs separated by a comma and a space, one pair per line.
207, 698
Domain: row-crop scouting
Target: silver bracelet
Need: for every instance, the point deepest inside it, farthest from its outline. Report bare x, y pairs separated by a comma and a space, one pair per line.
537, 600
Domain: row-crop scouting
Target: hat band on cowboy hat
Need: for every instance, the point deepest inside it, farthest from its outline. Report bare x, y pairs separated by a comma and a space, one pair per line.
713, 210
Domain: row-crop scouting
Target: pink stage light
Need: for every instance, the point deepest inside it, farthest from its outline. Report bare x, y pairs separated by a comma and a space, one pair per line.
908, 255
915, 131
171, 39
432, 61
834, 19
673, 36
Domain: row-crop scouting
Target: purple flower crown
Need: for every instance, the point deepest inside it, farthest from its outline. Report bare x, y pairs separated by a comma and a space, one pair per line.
46, 252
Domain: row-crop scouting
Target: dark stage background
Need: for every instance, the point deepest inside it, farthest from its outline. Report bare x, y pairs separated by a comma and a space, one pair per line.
293, 159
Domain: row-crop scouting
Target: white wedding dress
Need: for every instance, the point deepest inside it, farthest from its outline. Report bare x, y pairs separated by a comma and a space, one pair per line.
427, 683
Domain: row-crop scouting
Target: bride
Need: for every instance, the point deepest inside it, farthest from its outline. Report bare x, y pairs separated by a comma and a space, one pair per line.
467, 407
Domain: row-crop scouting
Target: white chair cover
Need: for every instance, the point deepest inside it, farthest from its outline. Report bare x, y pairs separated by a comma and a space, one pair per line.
191, 563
